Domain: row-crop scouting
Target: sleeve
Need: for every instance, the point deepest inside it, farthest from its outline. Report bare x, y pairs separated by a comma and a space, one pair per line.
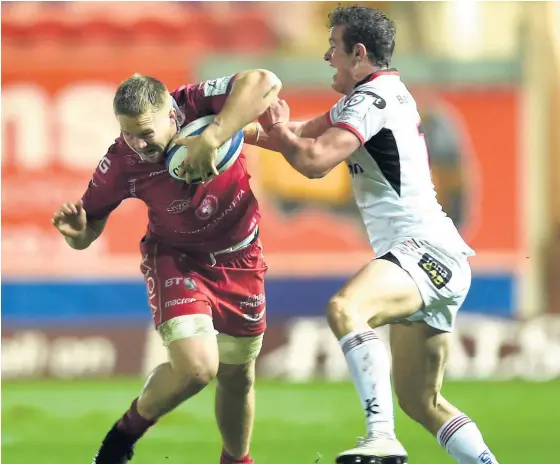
106, 189
362, 113
208, 97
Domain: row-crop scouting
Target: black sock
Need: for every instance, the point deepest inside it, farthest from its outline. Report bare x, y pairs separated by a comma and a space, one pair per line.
132, 423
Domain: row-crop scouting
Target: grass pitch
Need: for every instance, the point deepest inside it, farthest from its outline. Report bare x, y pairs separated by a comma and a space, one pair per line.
62, 422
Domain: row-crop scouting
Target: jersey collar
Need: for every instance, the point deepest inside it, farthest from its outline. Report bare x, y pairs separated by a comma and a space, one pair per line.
381, 72
180, 115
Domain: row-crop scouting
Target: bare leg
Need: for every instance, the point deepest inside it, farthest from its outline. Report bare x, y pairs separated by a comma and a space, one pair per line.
235, 407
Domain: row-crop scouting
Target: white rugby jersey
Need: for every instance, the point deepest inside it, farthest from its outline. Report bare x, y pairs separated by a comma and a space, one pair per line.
390, 171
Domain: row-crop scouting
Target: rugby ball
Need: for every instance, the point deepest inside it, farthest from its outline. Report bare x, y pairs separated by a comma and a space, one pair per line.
227, 153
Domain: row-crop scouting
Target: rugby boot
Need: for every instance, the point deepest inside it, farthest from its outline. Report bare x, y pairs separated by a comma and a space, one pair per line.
375, 449
117, 448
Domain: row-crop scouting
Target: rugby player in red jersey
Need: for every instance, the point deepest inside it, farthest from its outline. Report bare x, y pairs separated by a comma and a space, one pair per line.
201, 256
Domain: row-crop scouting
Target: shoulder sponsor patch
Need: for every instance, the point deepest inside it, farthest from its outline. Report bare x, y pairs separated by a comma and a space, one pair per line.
216, 87
357, 106
378, 101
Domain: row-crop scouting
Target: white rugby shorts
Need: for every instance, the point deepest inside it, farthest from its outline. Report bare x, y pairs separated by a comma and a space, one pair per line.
443, 279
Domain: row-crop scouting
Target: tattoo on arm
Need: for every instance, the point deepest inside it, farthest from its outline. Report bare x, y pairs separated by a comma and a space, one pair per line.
269, 91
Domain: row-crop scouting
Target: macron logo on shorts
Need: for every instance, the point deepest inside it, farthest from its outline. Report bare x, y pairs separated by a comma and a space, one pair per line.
254, 318
179, 301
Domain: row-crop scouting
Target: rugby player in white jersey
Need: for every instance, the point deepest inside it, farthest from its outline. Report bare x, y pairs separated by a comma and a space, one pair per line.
421, 275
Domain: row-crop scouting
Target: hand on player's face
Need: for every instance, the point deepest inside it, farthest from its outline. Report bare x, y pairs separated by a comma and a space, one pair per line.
277, 112
70, 219
200, 161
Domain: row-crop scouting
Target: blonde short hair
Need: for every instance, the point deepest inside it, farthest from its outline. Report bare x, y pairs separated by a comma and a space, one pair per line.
140, 94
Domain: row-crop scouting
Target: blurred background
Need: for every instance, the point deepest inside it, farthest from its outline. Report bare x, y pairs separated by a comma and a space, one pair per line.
76, 332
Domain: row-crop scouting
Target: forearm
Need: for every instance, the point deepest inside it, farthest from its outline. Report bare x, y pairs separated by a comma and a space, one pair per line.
255, 135
92, 231
251, 95
301, 153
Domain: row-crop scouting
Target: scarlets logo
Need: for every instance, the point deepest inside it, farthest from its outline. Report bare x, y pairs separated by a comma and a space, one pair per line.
207, 207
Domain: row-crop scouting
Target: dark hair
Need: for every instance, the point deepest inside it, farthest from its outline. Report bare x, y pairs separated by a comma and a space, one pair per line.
139, 94
367, 26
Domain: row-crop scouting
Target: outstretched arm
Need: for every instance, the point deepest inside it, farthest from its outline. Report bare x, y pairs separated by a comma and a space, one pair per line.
314, 157
252, 93
313, 128
352, 121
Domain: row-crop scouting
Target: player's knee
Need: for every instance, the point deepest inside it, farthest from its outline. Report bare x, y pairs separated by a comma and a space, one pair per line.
192, 348
195, 373
342, 315
418, 405
237, 378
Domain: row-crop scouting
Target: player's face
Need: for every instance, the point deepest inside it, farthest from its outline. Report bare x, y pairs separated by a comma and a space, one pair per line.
344, 63
149, 134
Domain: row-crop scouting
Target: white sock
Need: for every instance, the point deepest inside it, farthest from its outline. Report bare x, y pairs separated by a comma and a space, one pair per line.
369, 366
462, 440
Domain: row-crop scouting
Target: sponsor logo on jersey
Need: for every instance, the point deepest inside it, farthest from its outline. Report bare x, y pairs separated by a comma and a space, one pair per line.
149, 277
230, 209
178, 206
132, 187
157, 173
254, 301
104, 165
216, 87
357, 106
130, 160
179, 301
378, 101
190, 283
354, 100
251, 303
173, 281
439, 273
254, 318
350, 116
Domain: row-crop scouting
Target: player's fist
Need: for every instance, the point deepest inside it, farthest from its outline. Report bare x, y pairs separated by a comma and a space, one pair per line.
277, 112
70, 219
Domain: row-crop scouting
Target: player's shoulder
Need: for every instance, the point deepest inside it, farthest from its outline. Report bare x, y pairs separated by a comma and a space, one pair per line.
119, 159
386, 81
181, 93
205, 88
376, 92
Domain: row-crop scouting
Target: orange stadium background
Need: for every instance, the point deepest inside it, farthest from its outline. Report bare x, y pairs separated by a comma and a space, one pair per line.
57, 123
77, 335
60, 67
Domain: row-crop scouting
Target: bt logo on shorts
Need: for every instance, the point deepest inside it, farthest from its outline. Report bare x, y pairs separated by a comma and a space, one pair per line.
179, 301
186, 281
487, 458
173, 281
